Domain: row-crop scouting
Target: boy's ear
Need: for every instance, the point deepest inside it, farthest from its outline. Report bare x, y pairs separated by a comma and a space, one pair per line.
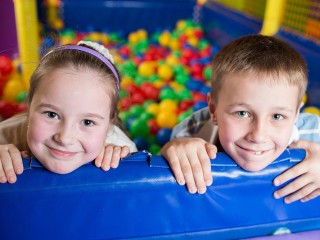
212, 109
298, 111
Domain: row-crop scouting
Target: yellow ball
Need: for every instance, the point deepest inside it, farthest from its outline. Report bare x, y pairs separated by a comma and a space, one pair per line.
12, 89
159, 83
126, 81
165, 38
193, 41
313, 110
174, 44
166, 119
153, 108
146, 69
181, 24
304, 98
168, 105
172, 60
165, 72
142, 34
133, 38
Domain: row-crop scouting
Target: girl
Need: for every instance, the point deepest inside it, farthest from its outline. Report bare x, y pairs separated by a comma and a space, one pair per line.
72, 110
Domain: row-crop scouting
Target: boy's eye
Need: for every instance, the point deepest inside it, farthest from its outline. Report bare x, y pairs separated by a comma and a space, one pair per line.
242, 114
277, 116
51, 115
87, 122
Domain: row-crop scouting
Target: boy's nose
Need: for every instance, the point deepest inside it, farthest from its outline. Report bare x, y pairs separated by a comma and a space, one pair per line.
258, 132
65, 135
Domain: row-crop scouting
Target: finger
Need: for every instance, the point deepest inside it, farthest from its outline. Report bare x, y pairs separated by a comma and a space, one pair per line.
206, 167
98, 159
115, 158
174, 164
211, 150
3, 178
292, 187
303, 144
311, 196
7, 166
124, 151
16, 160
291, 173
191, 170
303, 192
105, 165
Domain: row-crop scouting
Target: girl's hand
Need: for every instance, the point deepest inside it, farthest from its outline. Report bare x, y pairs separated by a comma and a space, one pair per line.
307, 184
10, 163
189, 159
110, 156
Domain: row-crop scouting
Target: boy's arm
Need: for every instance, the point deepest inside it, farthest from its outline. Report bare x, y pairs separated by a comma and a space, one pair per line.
306, 186
189, 159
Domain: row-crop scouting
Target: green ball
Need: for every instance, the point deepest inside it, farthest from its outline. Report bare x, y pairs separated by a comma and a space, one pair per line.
155, 149
22, 96
184, 94
182, 116
139, 128
167, 93
123, 94
182, 78
136, 110
207, 72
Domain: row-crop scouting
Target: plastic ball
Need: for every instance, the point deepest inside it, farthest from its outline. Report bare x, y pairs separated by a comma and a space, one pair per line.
153, 108
6, 66
139, 128
141, 143
167, 93
136, 110
164, 39
311, 109
199, 105
22, 96
168, 105
165, 72
155, 149
146, 69
163, 136
166, 119
12, 89
154, 128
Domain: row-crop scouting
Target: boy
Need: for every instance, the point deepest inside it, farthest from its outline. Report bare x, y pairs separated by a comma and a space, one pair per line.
257, 86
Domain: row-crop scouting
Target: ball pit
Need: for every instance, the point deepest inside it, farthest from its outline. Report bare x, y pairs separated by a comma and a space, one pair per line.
165, 78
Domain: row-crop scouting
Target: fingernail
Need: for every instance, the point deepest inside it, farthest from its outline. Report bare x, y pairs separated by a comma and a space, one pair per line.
192, 190
12, 179
209, 183
276, 182
181, 182
287, 201
276, 195
202, 190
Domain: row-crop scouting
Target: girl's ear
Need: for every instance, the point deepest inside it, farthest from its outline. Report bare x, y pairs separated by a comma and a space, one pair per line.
212, 109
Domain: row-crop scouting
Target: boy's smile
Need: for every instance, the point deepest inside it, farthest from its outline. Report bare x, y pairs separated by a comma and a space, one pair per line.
255, 115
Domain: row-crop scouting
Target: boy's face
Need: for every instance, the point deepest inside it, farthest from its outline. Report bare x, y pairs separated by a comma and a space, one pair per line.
255, 118
68, 119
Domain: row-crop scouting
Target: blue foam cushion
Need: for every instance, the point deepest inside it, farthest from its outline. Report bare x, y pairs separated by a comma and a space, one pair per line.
142, 199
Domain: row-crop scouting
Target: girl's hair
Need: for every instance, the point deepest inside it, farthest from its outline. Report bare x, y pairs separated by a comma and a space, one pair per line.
84, 57
259, 55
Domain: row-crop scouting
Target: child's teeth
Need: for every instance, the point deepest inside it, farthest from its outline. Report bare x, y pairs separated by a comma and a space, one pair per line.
257, 153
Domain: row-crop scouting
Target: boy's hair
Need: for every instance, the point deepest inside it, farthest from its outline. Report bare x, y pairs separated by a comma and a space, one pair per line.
259, 54
78, 60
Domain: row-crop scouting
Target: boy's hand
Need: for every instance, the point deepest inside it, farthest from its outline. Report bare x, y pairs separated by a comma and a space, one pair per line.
189, 159
10, 163
307, 184
110, 156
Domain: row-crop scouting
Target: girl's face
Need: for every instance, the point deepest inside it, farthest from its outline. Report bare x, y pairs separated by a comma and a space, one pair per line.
255, 118
68, 119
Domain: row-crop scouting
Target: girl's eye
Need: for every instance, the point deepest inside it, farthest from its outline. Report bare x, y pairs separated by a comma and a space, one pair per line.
243, 114
51, 115
87, 122
277, 116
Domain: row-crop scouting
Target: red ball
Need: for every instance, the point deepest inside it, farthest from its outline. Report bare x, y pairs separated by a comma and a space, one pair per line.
154, 128
125, 104
150, 91
8, 109
197, 96
6, 65
185, 104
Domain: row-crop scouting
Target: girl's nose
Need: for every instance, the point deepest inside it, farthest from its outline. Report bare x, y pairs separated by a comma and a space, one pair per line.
65, 135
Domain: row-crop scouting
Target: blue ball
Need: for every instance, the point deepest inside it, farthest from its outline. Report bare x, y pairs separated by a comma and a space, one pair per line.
199, 105
163, 136
141, 143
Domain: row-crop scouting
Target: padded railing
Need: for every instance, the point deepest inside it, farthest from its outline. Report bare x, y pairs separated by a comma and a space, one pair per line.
141, 199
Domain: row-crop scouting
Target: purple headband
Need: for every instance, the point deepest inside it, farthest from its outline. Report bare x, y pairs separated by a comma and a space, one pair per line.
92, 52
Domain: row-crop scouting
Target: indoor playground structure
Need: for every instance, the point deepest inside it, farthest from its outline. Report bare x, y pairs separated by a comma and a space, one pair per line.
163, 50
